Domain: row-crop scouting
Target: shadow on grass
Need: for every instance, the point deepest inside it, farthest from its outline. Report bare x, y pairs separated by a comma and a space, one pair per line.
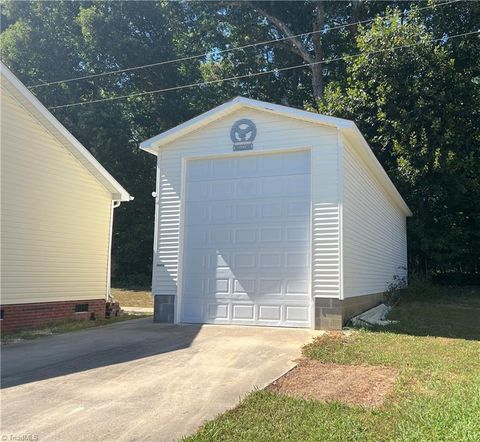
437, 318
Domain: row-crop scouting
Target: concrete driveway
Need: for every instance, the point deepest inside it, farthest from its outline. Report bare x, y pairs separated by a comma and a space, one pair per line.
137, 380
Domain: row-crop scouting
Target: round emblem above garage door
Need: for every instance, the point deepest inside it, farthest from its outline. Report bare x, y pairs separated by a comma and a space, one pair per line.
243, 134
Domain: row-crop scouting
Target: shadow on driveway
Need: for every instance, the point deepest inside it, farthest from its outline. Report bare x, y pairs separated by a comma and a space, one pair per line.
138, 381
59, 355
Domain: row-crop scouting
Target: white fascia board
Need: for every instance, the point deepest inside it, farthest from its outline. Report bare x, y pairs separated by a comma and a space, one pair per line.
295, 113
359, 143
52, 125
152, 144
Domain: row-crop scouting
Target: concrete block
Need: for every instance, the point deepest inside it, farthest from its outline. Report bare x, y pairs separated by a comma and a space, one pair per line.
164, 309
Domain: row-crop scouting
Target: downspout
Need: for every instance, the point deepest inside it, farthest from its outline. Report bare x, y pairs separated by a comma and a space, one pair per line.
108, 292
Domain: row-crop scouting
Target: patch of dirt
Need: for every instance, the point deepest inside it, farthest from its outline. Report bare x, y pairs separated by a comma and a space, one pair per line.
365, 385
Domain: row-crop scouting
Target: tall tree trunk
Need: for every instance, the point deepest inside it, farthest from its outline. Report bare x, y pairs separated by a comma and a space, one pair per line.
317, 68
297, 46
317, 81
355, 17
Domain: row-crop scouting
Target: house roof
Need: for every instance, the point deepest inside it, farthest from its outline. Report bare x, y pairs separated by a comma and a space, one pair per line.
347, 127
16, 88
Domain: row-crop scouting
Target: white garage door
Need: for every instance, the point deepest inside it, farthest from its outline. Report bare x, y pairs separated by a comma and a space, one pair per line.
247, 241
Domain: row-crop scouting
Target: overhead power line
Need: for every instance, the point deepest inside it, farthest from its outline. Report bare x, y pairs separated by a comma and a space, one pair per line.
256, 74
222, 51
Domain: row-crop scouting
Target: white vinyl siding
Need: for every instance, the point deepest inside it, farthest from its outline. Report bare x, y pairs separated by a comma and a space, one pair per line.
274, 134
374, 231
55, 218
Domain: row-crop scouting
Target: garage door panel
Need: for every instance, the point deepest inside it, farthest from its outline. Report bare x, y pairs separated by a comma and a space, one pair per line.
198, 191
224, 311
297, 287
297, 313
219, 286
245, 263
195, 284
298, 208
241, 189
270, 286
249, 166
198, 171
245, 235
296, 259
218, 311
247, 241
245, 212
199, 213
243, 312
241, 212
297, 185
223, 168
244, 286
269, 312
248, 236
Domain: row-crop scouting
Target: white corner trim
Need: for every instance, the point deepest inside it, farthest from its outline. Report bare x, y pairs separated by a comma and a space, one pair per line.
340, 165
181, 244
108, 291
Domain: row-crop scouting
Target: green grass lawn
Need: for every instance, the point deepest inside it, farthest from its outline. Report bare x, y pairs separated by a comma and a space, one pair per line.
133, 298
436, 397
66, 326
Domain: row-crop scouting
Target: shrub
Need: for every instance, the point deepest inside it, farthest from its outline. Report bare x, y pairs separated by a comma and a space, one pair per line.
394, 290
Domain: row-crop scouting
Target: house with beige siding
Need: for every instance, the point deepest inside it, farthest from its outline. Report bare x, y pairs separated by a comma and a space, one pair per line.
57, 204
269, 215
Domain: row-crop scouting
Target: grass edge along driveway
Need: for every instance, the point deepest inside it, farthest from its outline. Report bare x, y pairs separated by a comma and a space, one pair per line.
436, 396
63, 326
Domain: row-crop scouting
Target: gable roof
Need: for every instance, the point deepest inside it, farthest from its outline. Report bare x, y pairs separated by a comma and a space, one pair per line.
16, 88
347, 127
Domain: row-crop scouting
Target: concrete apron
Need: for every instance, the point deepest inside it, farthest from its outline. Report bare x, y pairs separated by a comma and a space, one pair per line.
138, 380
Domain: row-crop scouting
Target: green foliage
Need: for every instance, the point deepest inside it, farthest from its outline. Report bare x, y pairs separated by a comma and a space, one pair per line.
394, 290
418, 106
419, 109
47, 41
436, 395
419, 288
452, 317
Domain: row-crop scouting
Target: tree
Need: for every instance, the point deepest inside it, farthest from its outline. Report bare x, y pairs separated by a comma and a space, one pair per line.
418, 106
48, 41
419, 109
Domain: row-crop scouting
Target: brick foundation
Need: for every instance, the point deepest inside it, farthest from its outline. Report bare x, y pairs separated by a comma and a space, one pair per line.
25, 316
333, 313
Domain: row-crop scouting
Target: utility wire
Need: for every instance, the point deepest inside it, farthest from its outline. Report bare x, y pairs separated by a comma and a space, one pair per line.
222, 51
256, 74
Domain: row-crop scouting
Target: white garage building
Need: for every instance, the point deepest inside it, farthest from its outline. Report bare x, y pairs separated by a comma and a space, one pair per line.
269, 215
